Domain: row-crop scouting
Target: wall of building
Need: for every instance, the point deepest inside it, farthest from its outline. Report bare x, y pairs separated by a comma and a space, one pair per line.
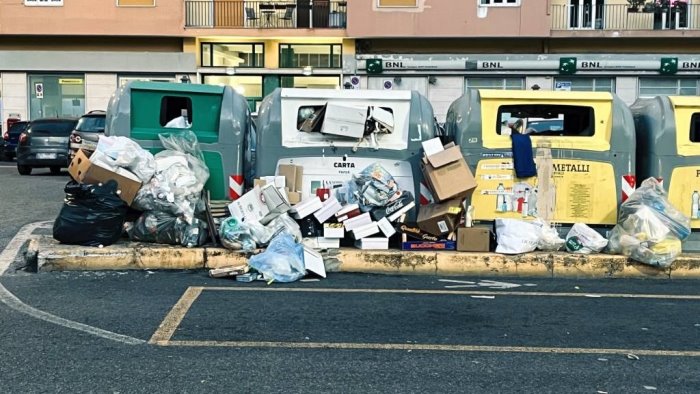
92, 17
447, 18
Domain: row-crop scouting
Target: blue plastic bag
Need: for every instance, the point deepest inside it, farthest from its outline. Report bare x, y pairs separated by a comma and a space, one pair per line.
282, 261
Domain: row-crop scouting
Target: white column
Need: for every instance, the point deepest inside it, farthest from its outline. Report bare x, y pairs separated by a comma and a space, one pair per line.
98, 90
626, 89
14, 95
443, 93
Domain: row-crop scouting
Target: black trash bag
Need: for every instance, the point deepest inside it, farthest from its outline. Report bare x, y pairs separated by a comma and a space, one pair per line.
165, 228
92, 215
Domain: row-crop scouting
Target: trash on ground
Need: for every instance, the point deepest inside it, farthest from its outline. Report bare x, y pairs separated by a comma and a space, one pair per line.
584, 240
632, 356
282, 261
649, 229
163, 227
226, 272
92, 215
516, 236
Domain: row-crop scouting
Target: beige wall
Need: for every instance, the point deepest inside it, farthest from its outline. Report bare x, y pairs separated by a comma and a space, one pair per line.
448, 18
85, 43
92, 17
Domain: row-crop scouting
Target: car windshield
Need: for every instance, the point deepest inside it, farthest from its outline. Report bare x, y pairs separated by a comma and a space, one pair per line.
18, 127
51, 128
91, 124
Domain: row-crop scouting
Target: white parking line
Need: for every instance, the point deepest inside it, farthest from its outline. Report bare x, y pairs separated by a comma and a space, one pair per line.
6, 297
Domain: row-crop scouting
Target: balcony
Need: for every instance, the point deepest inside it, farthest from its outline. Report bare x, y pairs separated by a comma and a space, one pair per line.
623, 17
291, 14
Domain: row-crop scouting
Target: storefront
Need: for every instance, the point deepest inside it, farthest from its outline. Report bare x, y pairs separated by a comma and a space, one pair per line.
443, 78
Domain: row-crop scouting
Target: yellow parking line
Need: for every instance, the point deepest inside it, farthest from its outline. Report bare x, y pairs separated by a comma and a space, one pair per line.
459, 292
429, 347
167, 328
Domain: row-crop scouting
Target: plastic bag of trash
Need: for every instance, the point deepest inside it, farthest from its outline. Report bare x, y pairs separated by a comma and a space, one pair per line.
236, 235
584, 240
164, 228
179, 123
282, 261
649, 228
373, 187
652, 195
517, 236
114, 151
549, 237
92, 215
184, 141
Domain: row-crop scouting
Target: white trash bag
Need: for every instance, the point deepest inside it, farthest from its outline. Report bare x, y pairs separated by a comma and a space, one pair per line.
584, 240
517, 236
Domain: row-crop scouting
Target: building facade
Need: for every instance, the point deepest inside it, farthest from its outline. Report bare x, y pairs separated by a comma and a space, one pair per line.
67, 57
443, 47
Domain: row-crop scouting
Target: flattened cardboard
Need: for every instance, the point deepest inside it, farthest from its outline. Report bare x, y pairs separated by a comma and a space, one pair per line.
313, 262
293, 175
473, 239
439, 219
84, 171
294, 197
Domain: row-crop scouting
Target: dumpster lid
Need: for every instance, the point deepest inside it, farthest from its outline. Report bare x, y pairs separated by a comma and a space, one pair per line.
362, 94
177, 87
685, 101
544, 95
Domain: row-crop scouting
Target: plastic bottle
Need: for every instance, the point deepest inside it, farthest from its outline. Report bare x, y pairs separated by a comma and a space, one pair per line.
526, 208
500, 198
695, 207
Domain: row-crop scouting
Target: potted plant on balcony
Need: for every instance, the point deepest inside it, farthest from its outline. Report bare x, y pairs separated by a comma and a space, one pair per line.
634, 5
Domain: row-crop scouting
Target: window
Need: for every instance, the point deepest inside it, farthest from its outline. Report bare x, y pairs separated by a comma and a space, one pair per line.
695, 127
397, 3
136, 3
302, 55
51, 128
233, 55
172, 107
495, 83
314, 82
246, 85
587, 84
500, 3
650, 87
546, 120
56, 96
40, 3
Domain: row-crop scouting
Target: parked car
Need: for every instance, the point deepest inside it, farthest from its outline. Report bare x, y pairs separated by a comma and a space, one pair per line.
88, 131
8, 149
45, 143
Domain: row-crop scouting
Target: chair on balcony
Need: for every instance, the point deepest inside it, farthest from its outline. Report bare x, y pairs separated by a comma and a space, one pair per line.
288, 16
250, 15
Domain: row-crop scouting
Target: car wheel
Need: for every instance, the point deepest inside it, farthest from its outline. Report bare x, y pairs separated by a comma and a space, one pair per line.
55, 170
24, 170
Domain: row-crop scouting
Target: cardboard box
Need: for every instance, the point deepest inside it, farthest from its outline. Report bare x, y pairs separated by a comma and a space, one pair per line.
358, 221
373, 243
439, 219
250, 206
395, 209
275, 201
306, 207
313, 262
348, 212
333, 230
448, 175
365, 230
87, 172
294, 197
293, 176
473, 239
259, 182
329, 208
411, 230
387, 229
423, 245
344, 121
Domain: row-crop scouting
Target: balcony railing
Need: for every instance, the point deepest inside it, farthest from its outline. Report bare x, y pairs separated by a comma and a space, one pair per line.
290, 14
623, 17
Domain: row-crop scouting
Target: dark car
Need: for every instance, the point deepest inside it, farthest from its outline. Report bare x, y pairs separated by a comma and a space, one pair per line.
88, 131
45, 144
8, 149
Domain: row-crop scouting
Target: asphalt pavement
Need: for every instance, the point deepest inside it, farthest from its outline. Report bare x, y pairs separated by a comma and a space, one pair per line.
149, 331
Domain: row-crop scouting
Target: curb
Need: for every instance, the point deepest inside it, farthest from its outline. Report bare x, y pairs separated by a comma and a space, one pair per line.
52, 256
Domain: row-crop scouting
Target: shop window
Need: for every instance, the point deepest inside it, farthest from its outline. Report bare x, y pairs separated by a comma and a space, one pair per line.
136, 3
650, 87
172, 107
546, 120
500, 3
233, 55
495, 83
587, 84
56, 96
397, 3
695, 127
313, 55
